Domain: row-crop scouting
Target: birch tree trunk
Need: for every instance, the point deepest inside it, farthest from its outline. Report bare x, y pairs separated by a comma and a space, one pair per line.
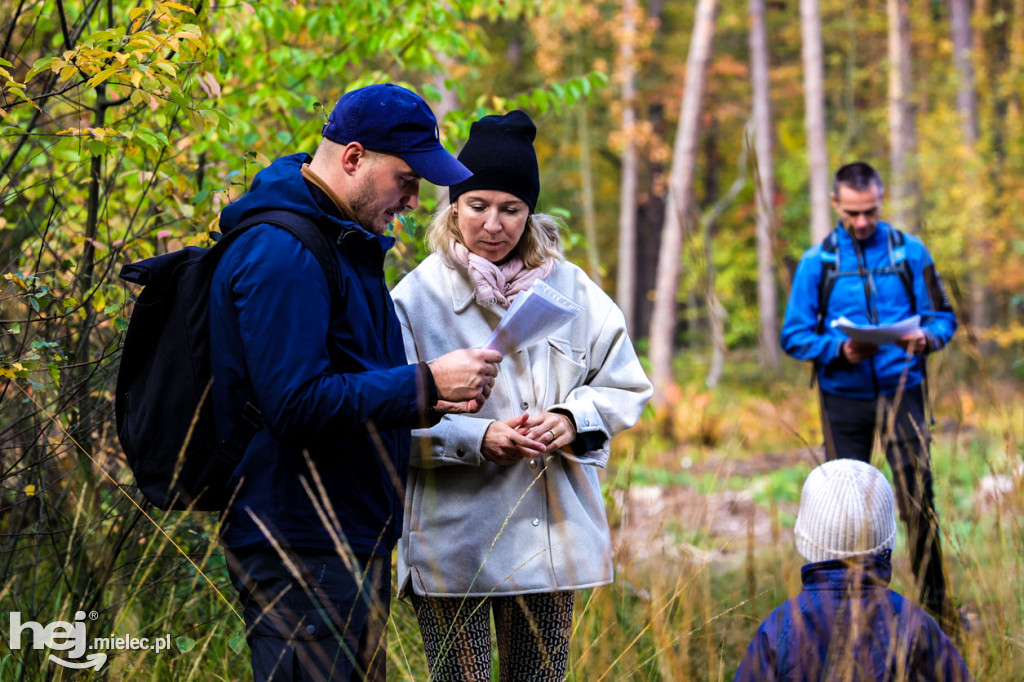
625, 284
663, 322
904, 198
967, 106
814, 113
769, 350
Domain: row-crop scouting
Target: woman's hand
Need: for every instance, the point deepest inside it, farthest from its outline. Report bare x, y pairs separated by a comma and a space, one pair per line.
553, 429
504, 443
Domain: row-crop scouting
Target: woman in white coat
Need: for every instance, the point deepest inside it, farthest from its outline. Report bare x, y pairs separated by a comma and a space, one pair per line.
504, 511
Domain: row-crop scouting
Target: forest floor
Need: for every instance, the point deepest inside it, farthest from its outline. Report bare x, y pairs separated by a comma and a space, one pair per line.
652, 516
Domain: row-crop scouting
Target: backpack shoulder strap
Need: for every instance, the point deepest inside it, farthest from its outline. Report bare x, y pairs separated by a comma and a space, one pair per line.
829, 264
306, 231
898, 255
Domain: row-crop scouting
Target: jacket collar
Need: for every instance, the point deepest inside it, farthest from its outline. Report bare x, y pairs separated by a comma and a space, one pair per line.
462, 288
878, 236
863, 572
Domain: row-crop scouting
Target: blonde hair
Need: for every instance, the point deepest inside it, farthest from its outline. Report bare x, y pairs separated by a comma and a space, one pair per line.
541, 240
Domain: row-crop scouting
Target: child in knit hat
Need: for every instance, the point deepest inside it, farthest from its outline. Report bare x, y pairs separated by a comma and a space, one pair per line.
846, 624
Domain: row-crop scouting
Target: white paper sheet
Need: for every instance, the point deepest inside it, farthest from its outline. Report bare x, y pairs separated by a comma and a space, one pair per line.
534, 314
877, 334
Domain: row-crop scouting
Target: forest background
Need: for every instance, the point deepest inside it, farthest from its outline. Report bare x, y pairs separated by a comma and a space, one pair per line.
689, 148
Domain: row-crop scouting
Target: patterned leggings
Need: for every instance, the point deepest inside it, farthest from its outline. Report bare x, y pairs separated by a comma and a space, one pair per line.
532, 632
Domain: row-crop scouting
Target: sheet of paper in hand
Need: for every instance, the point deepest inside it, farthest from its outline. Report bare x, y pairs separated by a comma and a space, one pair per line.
534, 314
877, 334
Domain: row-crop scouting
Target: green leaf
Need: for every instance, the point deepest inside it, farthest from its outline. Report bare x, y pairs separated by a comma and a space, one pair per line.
14, 328
185, 644
41, 65
120, 324
237, 642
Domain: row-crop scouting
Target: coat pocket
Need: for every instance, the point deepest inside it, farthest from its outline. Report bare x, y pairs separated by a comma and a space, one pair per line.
564, 370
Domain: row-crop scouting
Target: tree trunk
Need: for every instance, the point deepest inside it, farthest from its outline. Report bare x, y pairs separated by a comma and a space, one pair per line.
814, 113
587, 182
715, 310
680, 186
904, 199
625, 283
650, 221
449, 102
967, 106
769, 350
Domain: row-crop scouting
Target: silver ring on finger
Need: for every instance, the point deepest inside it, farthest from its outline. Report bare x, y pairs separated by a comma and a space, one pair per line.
552, 436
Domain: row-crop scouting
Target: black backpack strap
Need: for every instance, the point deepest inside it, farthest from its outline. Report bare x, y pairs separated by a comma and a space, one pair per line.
306, 231
896, 240
827, 282
316, 241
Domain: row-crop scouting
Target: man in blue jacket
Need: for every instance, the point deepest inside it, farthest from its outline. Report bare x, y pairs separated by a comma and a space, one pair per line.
846, 624
872, 274
319, 502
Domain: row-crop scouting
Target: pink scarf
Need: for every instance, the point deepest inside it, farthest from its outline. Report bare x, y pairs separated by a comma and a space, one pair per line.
497, 283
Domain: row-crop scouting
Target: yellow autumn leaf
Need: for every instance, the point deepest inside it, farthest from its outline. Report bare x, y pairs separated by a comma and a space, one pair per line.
136, 78
166, 67
68, 72
178, 6
102, 76
30, 490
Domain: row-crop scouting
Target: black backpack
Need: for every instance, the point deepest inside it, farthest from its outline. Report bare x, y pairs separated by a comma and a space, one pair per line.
163, 409
830, 273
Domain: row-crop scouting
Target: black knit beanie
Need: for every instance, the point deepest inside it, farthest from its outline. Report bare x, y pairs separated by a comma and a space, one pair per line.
500, 153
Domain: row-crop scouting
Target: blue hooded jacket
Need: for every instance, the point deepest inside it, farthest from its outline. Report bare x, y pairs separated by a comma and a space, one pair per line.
874, 290
847, 625
333, 384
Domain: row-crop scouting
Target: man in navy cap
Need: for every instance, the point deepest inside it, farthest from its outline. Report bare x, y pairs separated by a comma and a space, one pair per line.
320, 493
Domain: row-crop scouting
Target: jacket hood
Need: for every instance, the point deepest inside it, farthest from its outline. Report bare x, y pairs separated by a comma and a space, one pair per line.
281, 187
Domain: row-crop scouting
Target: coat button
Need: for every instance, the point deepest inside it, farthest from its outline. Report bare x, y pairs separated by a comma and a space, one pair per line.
587, 422
460, 452
533, 463
311, 629
536, 522
526, 405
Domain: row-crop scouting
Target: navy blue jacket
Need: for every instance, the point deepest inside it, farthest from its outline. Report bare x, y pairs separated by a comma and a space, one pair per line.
853, 296
880, 635
333, 383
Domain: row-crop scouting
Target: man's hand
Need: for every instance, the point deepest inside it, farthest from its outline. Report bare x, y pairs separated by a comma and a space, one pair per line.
504, 444
858, 351
465, 375
914, 343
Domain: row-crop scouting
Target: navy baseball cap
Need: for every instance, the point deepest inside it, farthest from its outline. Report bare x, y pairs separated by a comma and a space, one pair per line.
392, 119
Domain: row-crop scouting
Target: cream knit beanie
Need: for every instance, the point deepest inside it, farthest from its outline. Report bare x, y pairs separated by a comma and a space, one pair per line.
846, 510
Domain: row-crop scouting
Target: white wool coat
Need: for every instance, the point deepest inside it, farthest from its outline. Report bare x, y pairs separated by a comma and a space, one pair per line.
476, 528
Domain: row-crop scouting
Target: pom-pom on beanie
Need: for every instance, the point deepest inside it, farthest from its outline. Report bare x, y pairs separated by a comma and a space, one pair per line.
846, 511
500, 153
